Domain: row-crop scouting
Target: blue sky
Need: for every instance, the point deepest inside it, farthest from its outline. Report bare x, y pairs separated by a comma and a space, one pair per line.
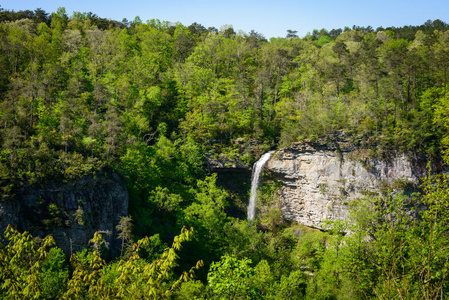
270, 18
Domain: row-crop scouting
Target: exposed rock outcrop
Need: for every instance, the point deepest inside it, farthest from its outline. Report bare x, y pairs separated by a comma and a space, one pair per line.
319, 179
236, 180
71, 211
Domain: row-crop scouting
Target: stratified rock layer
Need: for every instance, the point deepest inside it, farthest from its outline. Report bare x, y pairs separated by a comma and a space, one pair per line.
318, 180
72, 212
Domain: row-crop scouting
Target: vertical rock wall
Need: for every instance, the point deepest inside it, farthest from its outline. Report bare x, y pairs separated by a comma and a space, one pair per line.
72, 212
318, 181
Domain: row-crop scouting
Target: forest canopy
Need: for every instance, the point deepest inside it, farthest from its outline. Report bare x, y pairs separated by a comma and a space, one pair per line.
81, 90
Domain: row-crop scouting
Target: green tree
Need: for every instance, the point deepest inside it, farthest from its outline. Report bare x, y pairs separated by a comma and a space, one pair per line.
393, 254
54, 275
124, 228
24, 266
152, 280
229, 278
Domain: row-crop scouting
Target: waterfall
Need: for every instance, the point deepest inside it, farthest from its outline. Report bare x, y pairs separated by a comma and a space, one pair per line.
257, 169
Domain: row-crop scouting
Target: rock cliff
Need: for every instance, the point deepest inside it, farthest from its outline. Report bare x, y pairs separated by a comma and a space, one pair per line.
319, 180
236, 180
71, 212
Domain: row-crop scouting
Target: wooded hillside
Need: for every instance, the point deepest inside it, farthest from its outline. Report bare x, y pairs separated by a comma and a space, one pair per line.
151, 100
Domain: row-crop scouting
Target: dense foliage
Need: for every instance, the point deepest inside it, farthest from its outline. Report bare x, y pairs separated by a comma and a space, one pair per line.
152, 100
396, 250
76, 97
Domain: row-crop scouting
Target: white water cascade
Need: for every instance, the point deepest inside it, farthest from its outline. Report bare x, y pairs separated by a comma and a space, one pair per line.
257, 169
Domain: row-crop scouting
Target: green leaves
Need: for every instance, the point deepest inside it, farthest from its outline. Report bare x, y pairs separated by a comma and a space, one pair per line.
21, 264
31, 272
400, 254
207, 214
229, 278
154, 279
81, 88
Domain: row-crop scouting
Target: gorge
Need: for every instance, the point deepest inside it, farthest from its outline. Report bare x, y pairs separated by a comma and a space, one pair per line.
318, 181
120, 141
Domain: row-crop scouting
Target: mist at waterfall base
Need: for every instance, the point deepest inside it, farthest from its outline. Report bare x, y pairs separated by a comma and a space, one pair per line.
257, 170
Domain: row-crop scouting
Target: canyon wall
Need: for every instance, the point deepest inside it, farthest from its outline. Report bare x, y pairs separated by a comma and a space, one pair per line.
320, 179
72, 212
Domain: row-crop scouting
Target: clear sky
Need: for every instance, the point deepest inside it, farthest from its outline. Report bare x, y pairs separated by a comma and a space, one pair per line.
270, 18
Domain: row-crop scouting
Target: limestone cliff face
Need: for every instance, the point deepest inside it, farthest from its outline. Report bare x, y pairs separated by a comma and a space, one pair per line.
71, 212
318, 181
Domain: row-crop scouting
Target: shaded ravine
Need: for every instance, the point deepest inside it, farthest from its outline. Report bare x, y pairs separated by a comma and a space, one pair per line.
257, 170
